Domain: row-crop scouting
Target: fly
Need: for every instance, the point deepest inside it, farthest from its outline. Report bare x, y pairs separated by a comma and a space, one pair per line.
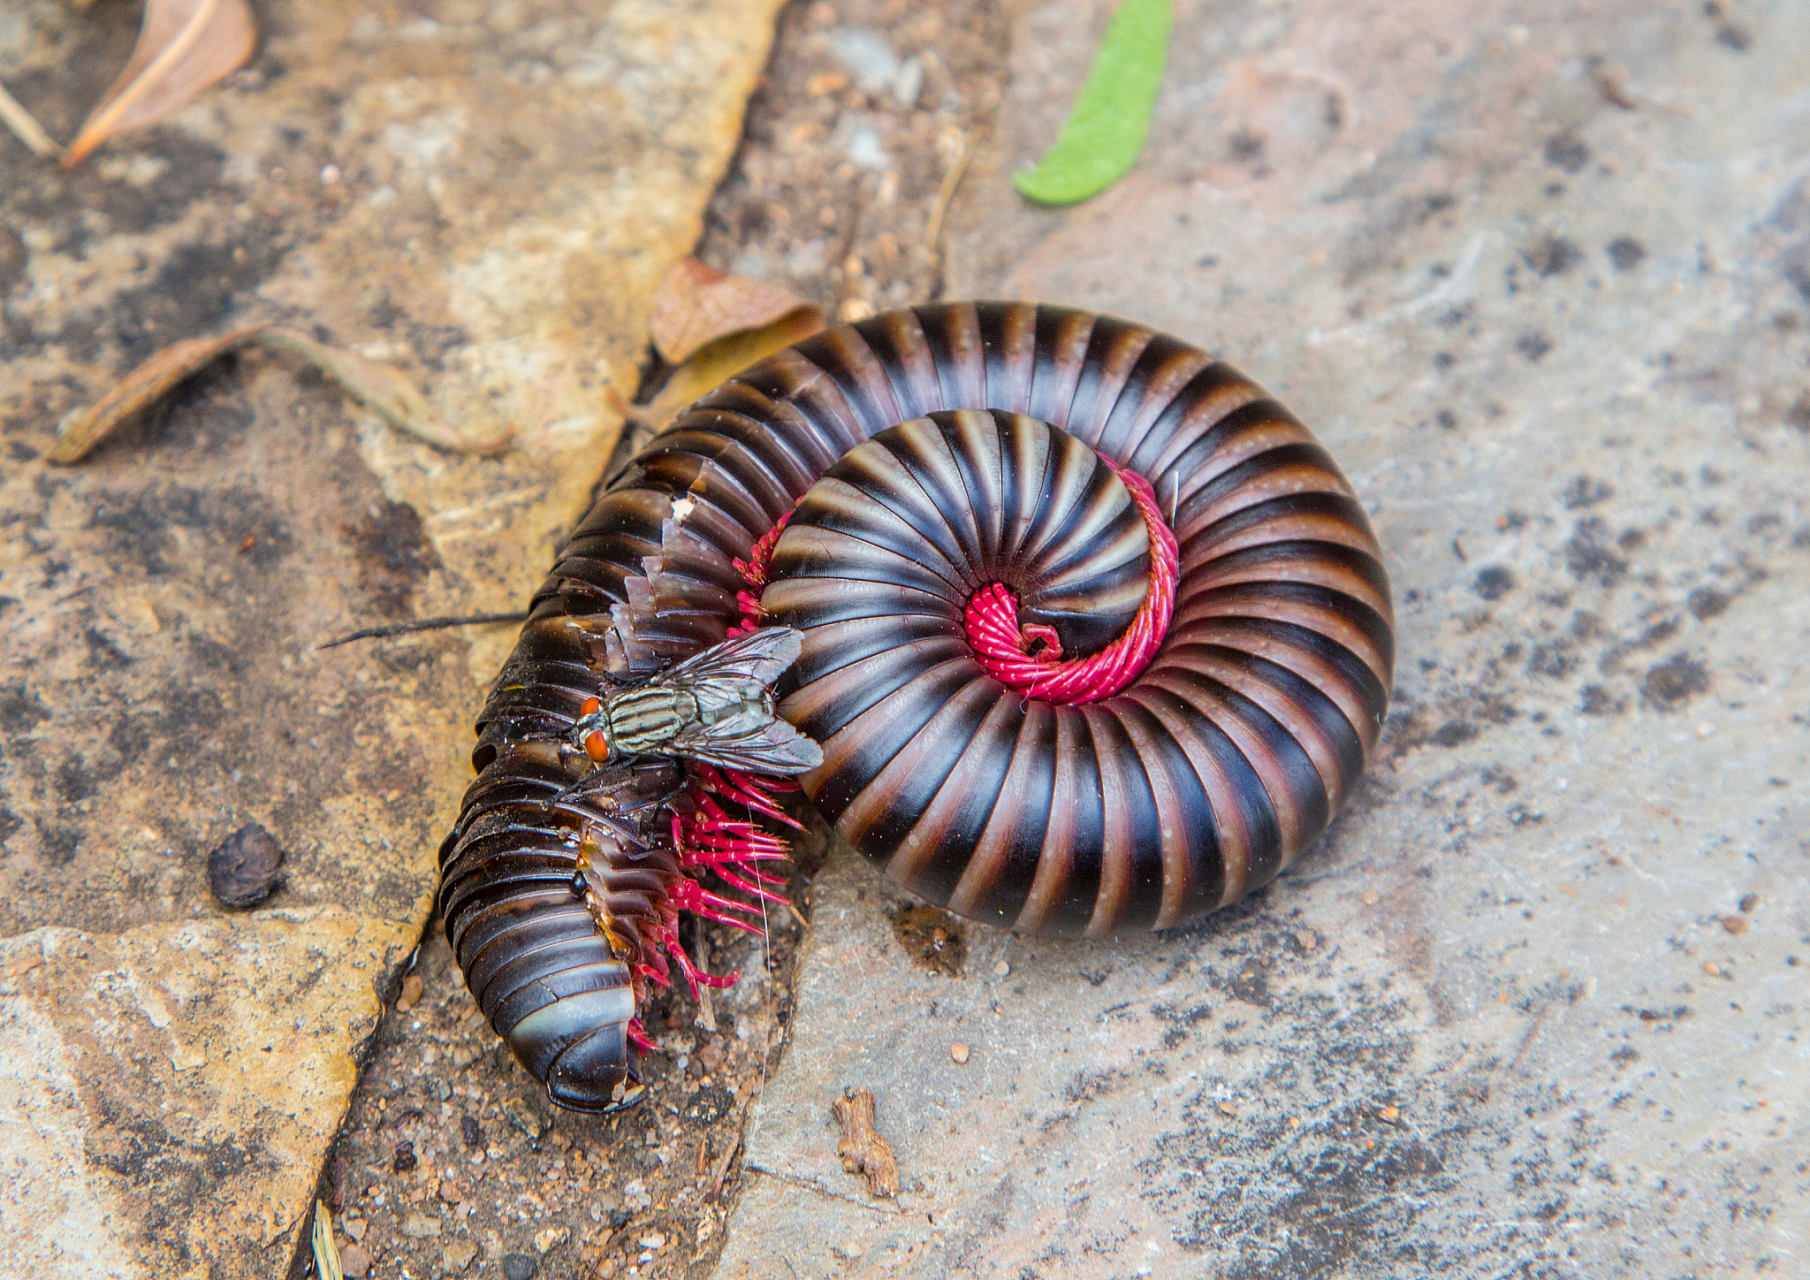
716, 707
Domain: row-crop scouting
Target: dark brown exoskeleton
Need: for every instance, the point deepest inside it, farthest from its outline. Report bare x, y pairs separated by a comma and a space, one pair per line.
923, 457
551, 935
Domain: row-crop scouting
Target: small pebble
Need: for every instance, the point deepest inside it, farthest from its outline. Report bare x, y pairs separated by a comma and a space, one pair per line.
412, 987
403, 1160
471, 1131
449, 1192
711, 1055
457, 1256
1307, 939
420, 1227
1735, 924
1002, 969
246, 868
1371, 897
552, 1237
1749, 902
958, 1051
653, 1240
1389, 1115
354, 1262
352, 1228
519, 1266
1227, 1109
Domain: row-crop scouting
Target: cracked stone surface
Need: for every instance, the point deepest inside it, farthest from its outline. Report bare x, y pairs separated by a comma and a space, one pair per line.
486, 196
1536, 1005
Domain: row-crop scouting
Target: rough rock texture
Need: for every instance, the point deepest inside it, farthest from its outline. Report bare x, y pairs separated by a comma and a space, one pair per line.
483, 194
1536, 1006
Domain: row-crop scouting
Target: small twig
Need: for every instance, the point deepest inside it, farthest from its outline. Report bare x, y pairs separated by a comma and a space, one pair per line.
424, 624
706, 1007
721, 1171
933, 230
25, 128
807, 1184
862, 1148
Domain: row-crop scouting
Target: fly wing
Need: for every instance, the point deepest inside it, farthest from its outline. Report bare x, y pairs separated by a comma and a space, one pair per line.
735, 725
761, 656
753, 741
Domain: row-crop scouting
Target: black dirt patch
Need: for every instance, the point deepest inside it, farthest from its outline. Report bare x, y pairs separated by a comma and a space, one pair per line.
137, 523
1707, 603
1553, 256
1674, 682
1553, 658
394, 555
1598, 701
12, 260
1533, 345
193, 294
933, 939
1590, 554
190, 169
1799, 416
1626, 253
1493, 582
1454, 733
1567, 151
1584, 492
21, 710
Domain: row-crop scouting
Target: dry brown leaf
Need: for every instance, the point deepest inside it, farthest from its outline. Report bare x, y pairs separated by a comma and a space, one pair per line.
697, 304
714, 363
138, 391
183, 47
377, 386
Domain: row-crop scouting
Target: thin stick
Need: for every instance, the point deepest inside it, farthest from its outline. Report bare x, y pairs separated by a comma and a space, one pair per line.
425, 624
24, 127
933, 230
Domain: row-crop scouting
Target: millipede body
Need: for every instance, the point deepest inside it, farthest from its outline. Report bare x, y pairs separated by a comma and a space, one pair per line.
1095, 637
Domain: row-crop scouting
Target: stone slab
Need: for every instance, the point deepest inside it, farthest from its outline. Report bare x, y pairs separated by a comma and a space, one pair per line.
1536, 1005
484, 195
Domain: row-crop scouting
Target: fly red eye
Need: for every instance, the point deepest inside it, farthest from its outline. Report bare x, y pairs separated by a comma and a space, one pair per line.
590, 707
596, 746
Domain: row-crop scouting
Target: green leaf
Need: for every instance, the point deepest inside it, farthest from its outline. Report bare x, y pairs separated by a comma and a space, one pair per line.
1106, 130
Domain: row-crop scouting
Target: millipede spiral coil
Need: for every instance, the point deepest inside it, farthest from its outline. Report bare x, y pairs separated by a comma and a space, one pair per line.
979, 502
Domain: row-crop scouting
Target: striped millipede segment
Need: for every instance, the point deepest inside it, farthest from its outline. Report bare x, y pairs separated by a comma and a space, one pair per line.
1190, 788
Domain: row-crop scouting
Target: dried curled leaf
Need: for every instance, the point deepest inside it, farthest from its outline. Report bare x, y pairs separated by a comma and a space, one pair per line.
1104, 133
715, 362
139, 390
183, 47
375, 385
697, 305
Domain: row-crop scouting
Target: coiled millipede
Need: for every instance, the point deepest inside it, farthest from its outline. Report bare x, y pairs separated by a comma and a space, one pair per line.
911, 456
